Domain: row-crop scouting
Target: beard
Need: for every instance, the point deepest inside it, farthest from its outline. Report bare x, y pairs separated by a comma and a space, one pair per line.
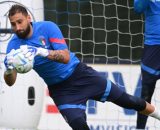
22, 34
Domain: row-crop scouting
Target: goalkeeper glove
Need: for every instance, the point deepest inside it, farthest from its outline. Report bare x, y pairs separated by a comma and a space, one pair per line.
31, 51
8, 61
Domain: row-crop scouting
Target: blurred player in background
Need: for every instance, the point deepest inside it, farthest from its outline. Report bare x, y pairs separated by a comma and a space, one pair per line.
70, 82
150, 66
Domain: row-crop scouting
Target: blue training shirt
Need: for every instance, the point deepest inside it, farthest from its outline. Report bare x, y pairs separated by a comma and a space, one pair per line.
47, 35
151, 10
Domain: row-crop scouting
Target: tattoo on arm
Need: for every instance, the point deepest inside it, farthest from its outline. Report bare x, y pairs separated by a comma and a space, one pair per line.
57, 55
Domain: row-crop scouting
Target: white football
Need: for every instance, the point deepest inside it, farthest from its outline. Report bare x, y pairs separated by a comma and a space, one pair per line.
21, 63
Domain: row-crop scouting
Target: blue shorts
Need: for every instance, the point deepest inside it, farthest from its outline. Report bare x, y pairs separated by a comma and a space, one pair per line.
150, 65
85, 83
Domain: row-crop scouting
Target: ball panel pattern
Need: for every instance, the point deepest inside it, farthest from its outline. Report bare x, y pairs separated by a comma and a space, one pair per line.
21, 63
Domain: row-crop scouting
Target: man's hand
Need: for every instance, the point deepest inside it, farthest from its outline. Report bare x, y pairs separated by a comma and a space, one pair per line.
31, 51
8, 61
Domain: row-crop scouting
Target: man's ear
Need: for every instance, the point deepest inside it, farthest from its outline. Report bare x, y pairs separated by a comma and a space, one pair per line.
29, 18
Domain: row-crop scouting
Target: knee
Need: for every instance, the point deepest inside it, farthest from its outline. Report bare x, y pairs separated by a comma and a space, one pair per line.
79, 124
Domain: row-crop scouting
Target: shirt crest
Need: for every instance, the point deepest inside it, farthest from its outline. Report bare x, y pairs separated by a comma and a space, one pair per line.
42, 40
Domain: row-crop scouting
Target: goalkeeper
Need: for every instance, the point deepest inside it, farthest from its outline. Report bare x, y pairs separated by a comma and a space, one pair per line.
70, 82
150, 66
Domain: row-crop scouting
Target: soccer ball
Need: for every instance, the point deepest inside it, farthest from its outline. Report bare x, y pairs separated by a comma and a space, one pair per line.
21, 63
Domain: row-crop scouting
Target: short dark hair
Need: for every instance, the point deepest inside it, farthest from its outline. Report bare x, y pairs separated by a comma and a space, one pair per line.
17, 9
